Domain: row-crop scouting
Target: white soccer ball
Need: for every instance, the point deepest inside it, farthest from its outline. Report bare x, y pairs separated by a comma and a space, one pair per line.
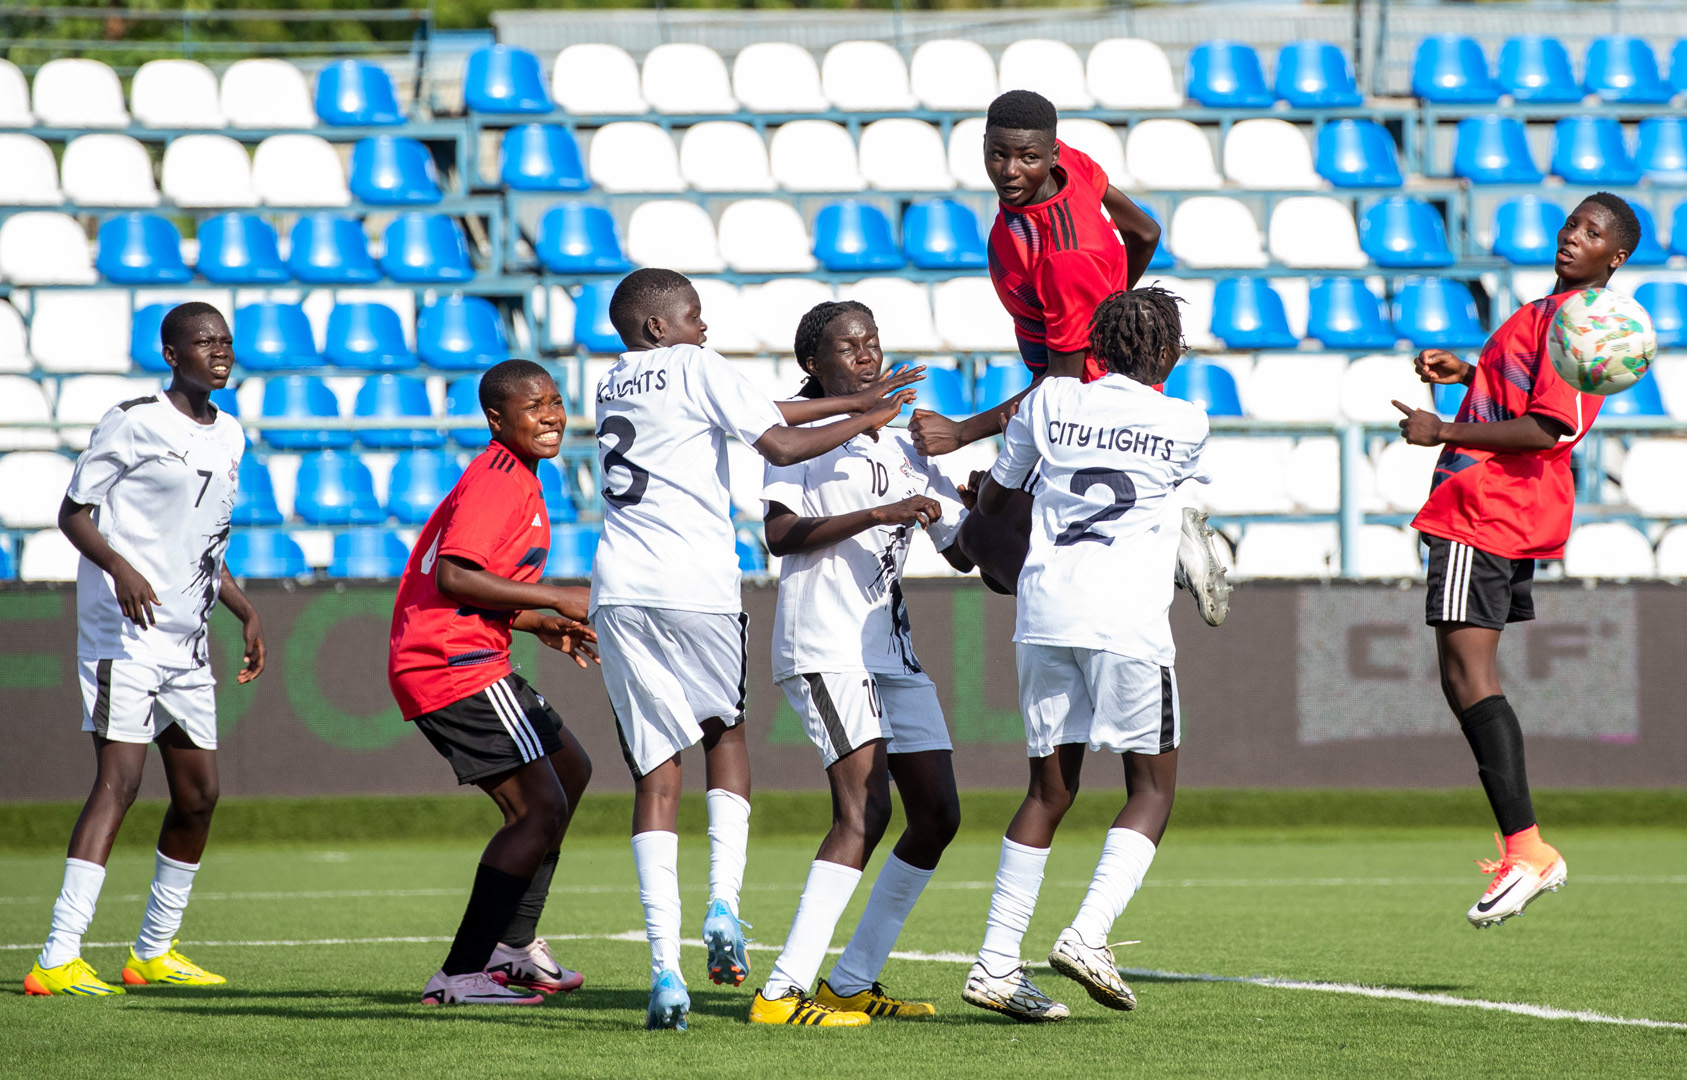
1601, 341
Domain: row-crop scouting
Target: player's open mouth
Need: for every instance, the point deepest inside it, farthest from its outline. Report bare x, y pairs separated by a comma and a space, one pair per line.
548, 438
219, 370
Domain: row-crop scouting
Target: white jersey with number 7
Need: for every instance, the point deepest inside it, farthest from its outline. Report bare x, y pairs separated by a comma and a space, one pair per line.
1104, 528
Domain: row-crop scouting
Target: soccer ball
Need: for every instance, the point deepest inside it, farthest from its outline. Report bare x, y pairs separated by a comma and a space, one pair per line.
1601, 341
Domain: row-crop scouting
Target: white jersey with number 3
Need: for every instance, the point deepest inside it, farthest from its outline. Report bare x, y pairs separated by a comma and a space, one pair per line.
1104, 530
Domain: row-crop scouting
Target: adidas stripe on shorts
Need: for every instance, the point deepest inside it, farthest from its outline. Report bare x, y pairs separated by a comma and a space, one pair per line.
1110, 702
843, 711
1476, 587
501, 728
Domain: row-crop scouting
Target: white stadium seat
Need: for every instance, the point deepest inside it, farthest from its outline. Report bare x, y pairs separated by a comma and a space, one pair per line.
675, 234
34, 484
1214, 231
48, 556
687, 78
1197, 308
1288, 550
597, 80
107, 170
634, 155
299, 170
904, 155
42, 247
966, 154
1170, 155
814, 155
1373, 382
266, 94
969, 317
1404, 473
1609, 549
31, 176
1130, 73
765, 236
1100, 143
1653, 470
175, 94
1295, 386
557, 307
14, 96
1295, 292
78, 93
777, 77
1388, 552
1313, 479
1271, 155
865, 76
14, 344
953, 76
85, 399
80, 330
901, 308
1247, 475
1051, 68
1315, 231
23, 401
208, 170
731, 326
1672, 552
776, 307
724, 155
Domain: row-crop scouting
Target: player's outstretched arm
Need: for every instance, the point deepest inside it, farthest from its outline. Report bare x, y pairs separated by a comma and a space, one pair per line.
467, 583
1140, 233
251, 627
134, 592
1531, 431
561, 633
808, 410
789, 445
1441, 366
789, 534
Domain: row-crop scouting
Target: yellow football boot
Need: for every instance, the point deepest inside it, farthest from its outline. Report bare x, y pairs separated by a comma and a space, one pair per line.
874, 1002
74, 977
796, 1007
171, 969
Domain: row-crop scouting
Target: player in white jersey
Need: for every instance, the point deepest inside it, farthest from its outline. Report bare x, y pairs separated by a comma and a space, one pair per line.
148, 508
665, 593
843, 654
1093, 639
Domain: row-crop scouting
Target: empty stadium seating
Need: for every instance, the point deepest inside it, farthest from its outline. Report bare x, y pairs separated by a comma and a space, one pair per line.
941, 234
1536, 69
1526, 230
1494, 150
1592, 150
1227, 74
269, 336
1450, 69
400, 397
262, 553
579, 238
777, 77
461, 333
1315, 75
141, 249
592, 79
542, 157
355, 93
393, 170
368, 553
426, 249
1661, 154
500, 79
1622, 68
855, 236
1357, 153
1404, 233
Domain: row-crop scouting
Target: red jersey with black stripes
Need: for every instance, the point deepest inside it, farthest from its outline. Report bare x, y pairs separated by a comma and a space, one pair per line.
440, 651
1053, 262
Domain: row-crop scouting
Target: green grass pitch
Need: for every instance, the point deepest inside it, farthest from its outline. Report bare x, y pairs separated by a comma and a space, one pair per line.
1381, 907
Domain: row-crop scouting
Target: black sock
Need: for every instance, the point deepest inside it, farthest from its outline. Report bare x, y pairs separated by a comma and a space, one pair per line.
491, 904
1496, 739
524, 927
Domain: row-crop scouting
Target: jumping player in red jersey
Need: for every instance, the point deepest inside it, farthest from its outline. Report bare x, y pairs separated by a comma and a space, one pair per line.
1501, 498
472, 579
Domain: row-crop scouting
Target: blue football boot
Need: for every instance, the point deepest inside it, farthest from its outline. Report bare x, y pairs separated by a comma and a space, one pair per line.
669, 1003
724, 935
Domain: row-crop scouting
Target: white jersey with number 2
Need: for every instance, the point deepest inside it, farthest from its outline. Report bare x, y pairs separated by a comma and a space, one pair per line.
1104, 529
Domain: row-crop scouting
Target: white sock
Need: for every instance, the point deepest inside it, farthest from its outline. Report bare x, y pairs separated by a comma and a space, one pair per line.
894, 895
72, 912
1124, 862
172, 882
824, 898
656, 856
729, 843
1018, 879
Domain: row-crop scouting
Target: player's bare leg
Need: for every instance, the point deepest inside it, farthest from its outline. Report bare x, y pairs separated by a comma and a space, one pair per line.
925, 782
117, 780
726, 759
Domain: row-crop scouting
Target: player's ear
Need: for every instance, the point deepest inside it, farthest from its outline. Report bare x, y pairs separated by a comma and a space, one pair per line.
494, 421
655, 329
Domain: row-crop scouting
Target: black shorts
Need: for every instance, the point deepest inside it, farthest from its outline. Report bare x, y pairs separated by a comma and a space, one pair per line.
499, 729
1468, 585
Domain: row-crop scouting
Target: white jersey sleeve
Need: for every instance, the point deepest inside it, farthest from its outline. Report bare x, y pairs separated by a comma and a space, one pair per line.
110, 454
944, 530
1019, 449
730, 401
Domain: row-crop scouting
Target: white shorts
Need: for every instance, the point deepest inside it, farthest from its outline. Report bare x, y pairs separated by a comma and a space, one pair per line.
131, 701
843, 711
666, 672
1111, 702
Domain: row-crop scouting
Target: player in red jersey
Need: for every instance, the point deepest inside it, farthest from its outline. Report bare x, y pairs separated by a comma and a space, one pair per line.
1501, 498
472, 579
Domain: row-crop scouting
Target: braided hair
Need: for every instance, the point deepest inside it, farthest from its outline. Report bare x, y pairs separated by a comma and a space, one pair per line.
809, 332
1132, 331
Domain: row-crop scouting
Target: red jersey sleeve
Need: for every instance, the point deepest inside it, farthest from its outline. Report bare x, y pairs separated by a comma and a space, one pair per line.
1070, 284
485, 515
1082, 170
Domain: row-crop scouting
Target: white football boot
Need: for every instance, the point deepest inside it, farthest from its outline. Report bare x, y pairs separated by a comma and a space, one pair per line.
1092, 968
1013, 994
1199, 569
1515, 886
475, 988
533, 967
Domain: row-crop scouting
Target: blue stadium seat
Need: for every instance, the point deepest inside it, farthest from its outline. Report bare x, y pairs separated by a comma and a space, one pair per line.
1209, 385
335, 488
1666, 302
1248, 314
592, 329
572, 549
580, 238
1401, 232
751, 558
1448, 397
264, 553
254, 496
1358, 153
228, 401
1535, 69
942, 234
141, 249
239, 248
1451, 69
330, 249
401, 397
356, 93
8, 559
1526, 230
1678, 230
999, 382
461, 333
1623, 68
146, 346
270, 336
367, 337
503, 79
1662, 156
1437, 313
942, 391
1315, 75
424, 248
1227, 75
1641, 399
420, 481
855, 236
1678, 66
1343, 313
462, 398
542, 157
1494, 150
559, 504
1592, 150
1163, 258
368, 553
1650, 251
302, 397
393, 170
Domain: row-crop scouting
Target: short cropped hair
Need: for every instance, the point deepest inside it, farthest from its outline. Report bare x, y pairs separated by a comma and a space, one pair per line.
1132, 331
809, 330
502, 380
177, 318
640, 295
1022, 110
1622, 214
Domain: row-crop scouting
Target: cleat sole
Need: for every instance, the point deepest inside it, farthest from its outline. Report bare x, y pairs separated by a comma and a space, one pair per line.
1098, 993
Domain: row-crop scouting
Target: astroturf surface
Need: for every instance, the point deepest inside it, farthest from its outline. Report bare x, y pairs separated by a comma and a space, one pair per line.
1374, 906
